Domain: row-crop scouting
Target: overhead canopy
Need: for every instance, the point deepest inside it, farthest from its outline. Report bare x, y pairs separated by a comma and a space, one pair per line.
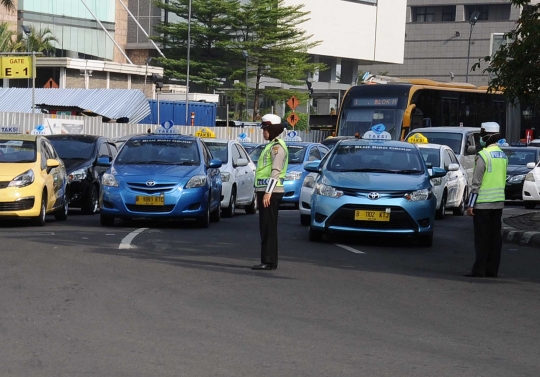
110, 103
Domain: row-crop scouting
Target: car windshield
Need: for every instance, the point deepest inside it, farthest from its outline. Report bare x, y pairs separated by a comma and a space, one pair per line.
451, 139
431, 156
219, 150
69, 148
375, 158
17, 151
256, 152
296, 153
159, 151
520, 156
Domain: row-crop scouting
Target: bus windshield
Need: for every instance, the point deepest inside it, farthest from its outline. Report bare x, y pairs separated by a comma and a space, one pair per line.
360, 120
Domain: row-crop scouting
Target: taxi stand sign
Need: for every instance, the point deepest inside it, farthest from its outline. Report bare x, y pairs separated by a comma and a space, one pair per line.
417, 138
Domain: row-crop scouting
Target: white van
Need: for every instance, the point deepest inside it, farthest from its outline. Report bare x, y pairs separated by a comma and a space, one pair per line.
464, 141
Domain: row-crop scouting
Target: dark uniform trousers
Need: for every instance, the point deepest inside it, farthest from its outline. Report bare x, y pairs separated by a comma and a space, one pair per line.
487, 241
268, 223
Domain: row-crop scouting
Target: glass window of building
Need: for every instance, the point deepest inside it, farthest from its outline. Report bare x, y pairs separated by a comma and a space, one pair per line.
424, 14
449, 13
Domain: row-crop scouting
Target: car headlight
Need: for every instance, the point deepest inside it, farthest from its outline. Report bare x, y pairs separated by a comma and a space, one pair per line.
293, 176
325, 190
225, 177
309, 182
22, 180
529, 177
109, 180
418, 195
516, 178
436, 181
196, 181
77, 175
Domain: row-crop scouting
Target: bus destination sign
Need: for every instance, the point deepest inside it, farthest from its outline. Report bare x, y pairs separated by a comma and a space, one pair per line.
375, 102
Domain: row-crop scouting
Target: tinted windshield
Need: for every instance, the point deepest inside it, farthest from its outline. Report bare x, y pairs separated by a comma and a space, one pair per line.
360, 120
73, 149
17, 151
219, 150
431, 156
520, 156
375, 158
159, 151
453, 140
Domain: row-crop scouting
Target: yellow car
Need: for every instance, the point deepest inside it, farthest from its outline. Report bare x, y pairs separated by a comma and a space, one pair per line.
33, 180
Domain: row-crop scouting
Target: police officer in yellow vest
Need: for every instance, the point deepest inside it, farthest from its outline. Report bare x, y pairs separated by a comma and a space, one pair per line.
271, 170
486, 202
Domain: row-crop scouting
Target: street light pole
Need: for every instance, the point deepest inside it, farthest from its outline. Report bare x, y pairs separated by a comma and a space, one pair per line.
246, 56
472, 20
27, 31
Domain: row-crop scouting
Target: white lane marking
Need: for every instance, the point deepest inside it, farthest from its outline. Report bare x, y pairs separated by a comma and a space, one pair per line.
126, 242
349, 249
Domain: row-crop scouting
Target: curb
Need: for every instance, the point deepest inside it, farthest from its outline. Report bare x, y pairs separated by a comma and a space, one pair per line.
520, 237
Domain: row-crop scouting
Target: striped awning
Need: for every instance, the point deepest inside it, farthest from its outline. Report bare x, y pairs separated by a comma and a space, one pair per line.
110, 103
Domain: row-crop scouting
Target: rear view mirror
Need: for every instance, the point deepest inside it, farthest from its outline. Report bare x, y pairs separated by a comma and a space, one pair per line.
313, 167
453, 167
471, 149
437, 173
531, 165
103, 161
241, 162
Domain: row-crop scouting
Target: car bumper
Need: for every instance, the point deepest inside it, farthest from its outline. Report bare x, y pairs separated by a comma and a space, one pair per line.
19, 202
513, 191
531, 191
180, 203
77, 191
304, 204
406, 218
291, 191
438, 191
226, 188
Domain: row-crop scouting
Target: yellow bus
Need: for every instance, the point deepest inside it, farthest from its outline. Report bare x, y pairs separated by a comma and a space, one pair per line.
402, 105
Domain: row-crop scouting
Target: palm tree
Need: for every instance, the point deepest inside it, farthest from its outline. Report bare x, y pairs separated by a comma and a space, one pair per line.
39, 41
7, 36
9, 4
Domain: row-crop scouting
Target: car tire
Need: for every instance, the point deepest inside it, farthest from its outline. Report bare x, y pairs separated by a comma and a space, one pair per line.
40, 219
460, 209
204, 222
251, 209
529, 205
439, 214
215, 216
315, 235
61, 214
305, 219
106, 220
425, 241
90, 203
231, 209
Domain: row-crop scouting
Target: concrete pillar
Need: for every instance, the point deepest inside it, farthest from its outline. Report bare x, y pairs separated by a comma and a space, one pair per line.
328, 75
62, 80
349, 71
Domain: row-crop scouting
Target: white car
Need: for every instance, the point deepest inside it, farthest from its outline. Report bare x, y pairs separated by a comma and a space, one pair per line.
237, 176
304, 204
531, 186
451, 190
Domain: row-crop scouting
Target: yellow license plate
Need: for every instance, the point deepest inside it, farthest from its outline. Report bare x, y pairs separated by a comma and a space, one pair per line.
363, 215
150, 200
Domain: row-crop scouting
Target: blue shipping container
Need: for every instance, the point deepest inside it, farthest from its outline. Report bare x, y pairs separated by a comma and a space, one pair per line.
205, 113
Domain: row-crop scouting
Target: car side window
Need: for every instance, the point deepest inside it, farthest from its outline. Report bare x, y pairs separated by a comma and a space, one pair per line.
103, 150
235, 155
51, 150
45, 154
314, 154
446, 159
113, 150
453, 157
207, 156
242, 151
323, 151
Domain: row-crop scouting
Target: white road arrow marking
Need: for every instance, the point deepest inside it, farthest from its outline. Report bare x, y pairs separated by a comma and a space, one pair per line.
348, 248
126, 242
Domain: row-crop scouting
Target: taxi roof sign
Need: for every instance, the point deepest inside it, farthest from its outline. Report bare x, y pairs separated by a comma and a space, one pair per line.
205, 132
417, 138
377, 132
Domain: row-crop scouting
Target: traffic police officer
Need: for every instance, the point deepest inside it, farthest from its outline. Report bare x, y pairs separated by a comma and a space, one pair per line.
271, 170
486, 202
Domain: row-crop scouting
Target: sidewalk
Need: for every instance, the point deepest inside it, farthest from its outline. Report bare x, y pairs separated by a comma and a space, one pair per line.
522, 229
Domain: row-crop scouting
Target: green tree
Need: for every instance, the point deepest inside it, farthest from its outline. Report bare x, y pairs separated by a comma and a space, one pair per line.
277, 48
212, 32
7, 38
41, 40
514, 67
9, 4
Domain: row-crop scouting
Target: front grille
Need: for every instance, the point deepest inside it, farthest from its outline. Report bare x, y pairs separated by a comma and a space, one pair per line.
150, 209
3, 185
19, 205
158, 187
365, 193
399, 218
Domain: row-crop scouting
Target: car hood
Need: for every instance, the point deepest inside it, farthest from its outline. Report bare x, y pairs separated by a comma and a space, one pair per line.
375, 181
73, 164
8, 171
155, 172
517, 169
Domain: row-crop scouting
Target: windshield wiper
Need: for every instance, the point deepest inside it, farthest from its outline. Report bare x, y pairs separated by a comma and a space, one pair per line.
407, 171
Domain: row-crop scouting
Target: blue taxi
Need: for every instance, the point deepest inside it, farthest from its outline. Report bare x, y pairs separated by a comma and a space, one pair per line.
373, 187
162, 176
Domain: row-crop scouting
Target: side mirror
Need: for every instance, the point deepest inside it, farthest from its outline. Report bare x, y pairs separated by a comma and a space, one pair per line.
313, 167
437, 173
471, 149
241, 162
215, 163
52, 163
530, 165
104, 161
453, 167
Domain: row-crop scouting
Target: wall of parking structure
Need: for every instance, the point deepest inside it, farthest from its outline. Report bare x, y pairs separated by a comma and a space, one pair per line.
94, 126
